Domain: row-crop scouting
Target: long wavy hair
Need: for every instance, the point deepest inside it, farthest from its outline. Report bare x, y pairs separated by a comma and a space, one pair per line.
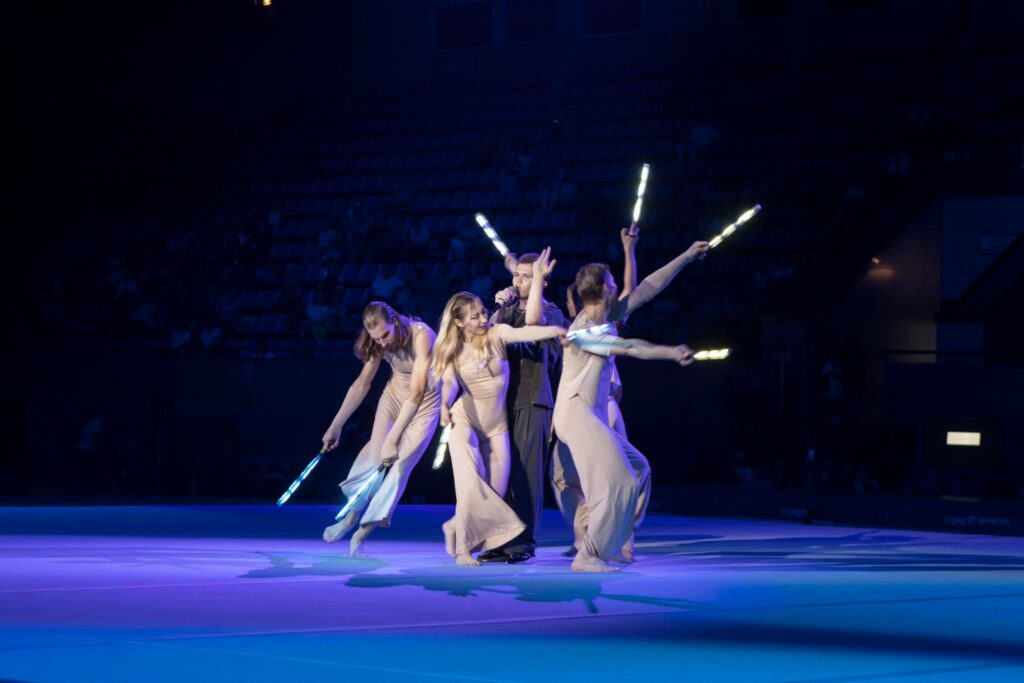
449, 338
375, 312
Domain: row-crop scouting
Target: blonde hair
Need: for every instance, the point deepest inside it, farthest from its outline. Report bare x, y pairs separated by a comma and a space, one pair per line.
449, 337
376, 311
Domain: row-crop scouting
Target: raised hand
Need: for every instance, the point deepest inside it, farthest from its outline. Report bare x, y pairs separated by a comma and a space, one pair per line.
543, 266
698, 250
629, 237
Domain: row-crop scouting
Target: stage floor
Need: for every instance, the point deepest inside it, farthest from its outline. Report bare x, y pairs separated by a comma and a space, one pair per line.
253, 594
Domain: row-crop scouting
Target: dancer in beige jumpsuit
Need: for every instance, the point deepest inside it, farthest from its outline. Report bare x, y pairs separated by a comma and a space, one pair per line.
599, 454
471, 355
405, 421
564, 478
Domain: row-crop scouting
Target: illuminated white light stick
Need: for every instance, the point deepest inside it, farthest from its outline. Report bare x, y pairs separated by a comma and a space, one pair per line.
365, 491
592, 331
442, 446
731, 228
301, 478
712, 354
640, 190
492, 234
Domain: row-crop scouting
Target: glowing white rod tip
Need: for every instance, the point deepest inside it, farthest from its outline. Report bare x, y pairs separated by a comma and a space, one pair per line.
711, 354
731, 228
492, 234
442, 446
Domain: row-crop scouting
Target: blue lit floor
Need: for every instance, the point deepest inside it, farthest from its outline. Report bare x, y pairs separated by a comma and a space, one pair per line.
252, 594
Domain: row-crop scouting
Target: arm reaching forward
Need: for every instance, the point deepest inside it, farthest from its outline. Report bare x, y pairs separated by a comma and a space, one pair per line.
657, 281
353, 398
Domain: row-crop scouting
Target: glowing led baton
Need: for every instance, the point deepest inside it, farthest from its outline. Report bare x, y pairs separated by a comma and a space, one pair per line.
442, 446
592, 331
301, 478
492, 234
640, 190
731, 228
368, 488
712, 354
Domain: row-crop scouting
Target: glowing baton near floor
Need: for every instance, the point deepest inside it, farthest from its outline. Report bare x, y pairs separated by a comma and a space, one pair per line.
712, 354
731, 228
592, 331
365, 491
492, 234
301, 478
640, 190
442, 446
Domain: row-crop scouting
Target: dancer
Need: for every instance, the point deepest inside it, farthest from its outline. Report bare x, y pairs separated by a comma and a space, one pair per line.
564, 478
405, 422
473, 356
581, 414
530, 402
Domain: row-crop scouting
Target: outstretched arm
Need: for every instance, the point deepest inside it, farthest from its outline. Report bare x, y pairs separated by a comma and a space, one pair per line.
507, 334
657, 281
353, 399
608, 345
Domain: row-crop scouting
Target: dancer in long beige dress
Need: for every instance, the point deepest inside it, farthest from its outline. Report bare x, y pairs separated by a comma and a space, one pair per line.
405, 421
599, 454
564, 478
471, 355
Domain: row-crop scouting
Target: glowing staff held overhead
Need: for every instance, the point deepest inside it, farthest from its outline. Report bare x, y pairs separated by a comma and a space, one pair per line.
366, 490
492, 234
712, 354
731, 228
641, 189
442, 446
301, 478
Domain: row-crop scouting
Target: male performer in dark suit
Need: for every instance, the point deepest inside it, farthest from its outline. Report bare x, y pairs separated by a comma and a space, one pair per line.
530, 402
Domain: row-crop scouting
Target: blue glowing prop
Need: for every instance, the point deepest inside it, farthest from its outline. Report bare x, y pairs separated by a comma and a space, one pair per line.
301, 478
365, 492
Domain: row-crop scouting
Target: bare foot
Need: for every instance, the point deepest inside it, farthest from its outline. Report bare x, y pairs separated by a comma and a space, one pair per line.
335, 532
589, 563
355, 546
449, 537
626, 555
466, 560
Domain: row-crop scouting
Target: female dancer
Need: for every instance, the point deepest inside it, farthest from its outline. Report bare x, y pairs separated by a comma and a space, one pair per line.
472, 356
581, 409
564, 478
406, 418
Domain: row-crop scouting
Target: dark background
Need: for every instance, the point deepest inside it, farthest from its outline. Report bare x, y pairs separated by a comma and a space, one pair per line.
205, 194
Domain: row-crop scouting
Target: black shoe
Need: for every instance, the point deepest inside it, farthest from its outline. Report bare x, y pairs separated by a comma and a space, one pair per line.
519, 556
497, 555
571, 552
